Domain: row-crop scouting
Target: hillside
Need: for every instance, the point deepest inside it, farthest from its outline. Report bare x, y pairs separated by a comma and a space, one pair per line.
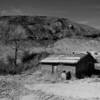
76, 45
42, 33
41, 28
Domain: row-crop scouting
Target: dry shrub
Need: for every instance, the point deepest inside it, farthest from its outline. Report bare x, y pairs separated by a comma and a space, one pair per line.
9, 88
3, 67
31, 61
9, 67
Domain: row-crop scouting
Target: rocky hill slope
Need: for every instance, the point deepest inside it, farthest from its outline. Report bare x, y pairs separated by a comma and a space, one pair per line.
42, 33
42, 28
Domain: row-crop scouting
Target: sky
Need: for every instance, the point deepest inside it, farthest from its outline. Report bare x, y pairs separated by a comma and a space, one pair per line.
81, 11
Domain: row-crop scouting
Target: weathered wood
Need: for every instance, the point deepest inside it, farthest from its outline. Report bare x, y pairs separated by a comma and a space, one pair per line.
53, 69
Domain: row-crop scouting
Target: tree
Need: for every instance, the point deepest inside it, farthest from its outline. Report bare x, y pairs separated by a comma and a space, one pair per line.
17, 34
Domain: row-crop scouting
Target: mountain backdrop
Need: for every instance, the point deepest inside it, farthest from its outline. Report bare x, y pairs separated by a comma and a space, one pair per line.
42, 31
45, 28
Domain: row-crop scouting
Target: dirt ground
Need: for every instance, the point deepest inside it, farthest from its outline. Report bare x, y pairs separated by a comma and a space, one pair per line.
44, 86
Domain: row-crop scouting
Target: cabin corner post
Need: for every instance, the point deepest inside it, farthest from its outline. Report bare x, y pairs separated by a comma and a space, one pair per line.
52, 69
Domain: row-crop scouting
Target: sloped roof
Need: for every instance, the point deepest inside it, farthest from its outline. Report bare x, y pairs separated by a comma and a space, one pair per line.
67, 58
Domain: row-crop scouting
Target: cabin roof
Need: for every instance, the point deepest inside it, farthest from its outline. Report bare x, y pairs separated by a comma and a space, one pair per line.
63, 58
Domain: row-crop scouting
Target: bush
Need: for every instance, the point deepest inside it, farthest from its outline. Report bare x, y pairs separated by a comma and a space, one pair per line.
10, 60
34, 57
3, 67
9, 67
29, 61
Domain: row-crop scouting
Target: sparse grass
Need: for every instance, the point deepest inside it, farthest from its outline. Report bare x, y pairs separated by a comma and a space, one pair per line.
9, 88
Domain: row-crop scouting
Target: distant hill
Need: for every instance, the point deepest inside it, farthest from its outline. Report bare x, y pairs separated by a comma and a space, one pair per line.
43, 28
76, 45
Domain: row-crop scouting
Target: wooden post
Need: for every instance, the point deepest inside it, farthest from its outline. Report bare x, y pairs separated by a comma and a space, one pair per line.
52, 69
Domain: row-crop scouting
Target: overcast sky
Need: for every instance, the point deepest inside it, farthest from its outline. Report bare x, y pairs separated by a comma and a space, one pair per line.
82, 11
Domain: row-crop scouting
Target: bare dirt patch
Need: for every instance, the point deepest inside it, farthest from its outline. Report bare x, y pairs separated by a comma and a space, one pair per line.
74, 90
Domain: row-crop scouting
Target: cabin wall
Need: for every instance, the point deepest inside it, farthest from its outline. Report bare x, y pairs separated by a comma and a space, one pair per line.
84, 68
60, 68
66, 68
45, 67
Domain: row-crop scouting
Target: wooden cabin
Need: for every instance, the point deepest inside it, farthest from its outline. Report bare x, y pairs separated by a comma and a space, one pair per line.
83, 64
